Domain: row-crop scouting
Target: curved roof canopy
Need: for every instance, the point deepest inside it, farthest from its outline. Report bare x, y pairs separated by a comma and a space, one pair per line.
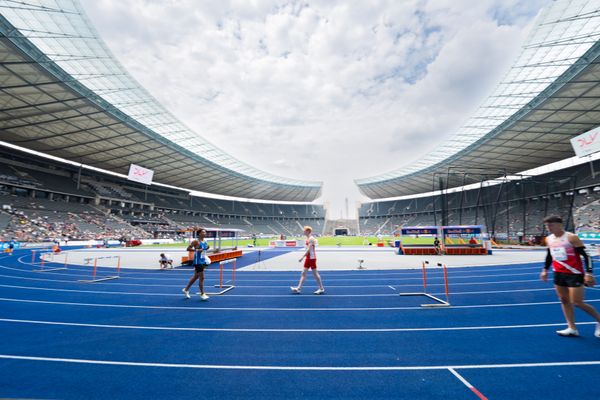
550, 95
63, 93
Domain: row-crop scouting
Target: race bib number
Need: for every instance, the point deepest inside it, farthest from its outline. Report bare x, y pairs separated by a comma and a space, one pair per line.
559, 253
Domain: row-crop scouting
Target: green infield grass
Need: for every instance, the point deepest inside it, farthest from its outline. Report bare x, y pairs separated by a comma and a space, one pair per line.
323, 241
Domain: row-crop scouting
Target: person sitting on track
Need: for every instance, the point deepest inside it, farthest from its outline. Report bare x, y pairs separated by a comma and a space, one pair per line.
310, 262
165, 261
199, 247
565, 250
438, 246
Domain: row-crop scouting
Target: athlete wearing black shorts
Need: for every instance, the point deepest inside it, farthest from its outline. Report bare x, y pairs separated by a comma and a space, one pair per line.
565, 251
199, 247
200, 267
568, 280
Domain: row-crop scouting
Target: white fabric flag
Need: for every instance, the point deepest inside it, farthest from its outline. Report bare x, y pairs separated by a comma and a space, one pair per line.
140, 174
587, 143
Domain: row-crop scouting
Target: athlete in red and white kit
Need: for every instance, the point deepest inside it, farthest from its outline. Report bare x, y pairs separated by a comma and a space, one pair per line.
310, 262
565, 250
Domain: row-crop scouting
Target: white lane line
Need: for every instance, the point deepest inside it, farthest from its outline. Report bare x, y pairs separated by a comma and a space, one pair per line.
258, 279
287, 295
119, 284
296, 368
182, 281
413, 271
453, 284
417, 279
288, 330
177, 294
496, 291
285, 309
467, 384
111, 270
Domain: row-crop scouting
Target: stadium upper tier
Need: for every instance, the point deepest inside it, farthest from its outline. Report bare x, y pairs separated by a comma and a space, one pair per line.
64, 94
550, 95
508, 206
38, 178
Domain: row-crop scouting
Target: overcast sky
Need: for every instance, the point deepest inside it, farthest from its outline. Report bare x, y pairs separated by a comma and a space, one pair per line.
318, 90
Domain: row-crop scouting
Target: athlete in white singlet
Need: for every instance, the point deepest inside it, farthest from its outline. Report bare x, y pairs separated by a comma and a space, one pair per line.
310, 263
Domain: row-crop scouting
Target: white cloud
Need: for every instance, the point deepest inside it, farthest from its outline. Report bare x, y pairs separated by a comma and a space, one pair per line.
319, 90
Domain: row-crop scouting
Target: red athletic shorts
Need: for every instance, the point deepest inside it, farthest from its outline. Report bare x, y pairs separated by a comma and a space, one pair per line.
310, 263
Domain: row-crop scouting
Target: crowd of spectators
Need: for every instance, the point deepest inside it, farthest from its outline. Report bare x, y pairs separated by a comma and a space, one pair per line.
35, 226
587, 217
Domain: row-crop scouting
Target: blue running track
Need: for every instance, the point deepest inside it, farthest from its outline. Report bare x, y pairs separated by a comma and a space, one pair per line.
136, 337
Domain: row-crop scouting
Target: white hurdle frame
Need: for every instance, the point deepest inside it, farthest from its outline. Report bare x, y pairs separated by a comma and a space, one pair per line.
43, 261
439, 302
107, 278
225, 288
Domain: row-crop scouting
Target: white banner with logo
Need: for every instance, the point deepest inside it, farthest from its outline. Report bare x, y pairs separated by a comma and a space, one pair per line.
587, 143
140, 174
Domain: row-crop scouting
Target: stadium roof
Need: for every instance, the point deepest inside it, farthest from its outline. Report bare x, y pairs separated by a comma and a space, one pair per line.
64, 94
550, 95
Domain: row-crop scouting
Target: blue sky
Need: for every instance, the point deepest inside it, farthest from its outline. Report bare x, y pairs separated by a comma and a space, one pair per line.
318, 90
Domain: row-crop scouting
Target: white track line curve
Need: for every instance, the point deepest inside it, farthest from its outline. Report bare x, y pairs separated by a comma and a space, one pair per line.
288, 330
298, 368
288, 295
284, 309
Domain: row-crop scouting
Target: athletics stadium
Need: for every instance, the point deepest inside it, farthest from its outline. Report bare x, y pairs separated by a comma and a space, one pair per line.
432, 291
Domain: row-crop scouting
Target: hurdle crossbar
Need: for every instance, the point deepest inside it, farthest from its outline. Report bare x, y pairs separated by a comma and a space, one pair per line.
438, 302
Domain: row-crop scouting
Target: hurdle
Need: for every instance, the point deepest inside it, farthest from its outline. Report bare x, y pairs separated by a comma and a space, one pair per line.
43, 261
224, 287
105, 278
438, 302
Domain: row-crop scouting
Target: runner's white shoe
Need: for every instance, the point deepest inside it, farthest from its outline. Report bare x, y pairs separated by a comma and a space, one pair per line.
186, 293
204, 297
320, 291
597, 331
568, 332
295, 289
